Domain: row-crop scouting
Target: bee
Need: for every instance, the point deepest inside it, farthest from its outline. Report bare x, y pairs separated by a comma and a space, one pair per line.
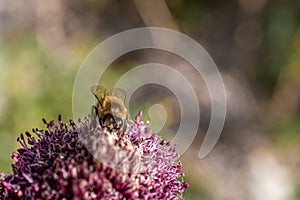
110, 109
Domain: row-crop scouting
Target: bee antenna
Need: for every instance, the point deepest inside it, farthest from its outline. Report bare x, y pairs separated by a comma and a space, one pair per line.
99, 102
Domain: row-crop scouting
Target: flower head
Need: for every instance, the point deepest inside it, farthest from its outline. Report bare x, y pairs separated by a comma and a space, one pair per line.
66, 161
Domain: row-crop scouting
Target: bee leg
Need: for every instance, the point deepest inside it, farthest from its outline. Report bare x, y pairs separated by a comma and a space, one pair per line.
125, 127
101, 122
125, 124
94, 116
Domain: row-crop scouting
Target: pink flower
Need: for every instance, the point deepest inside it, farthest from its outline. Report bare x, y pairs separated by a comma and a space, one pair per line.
58, 163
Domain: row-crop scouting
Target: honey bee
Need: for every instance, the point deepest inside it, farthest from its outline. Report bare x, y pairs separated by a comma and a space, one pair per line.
110, 109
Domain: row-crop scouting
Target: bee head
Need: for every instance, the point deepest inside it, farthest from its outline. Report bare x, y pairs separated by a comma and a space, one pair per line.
112, 122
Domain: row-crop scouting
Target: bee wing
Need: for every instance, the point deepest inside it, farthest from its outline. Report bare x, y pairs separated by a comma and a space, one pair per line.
100, 92
120, 93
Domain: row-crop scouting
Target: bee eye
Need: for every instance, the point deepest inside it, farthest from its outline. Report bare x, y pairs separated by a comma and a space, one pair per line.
119, 122
107, 117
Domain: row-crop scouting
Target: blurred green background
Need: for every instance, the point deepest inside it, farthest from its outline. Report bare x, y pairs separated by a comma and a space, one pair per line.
255, 44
